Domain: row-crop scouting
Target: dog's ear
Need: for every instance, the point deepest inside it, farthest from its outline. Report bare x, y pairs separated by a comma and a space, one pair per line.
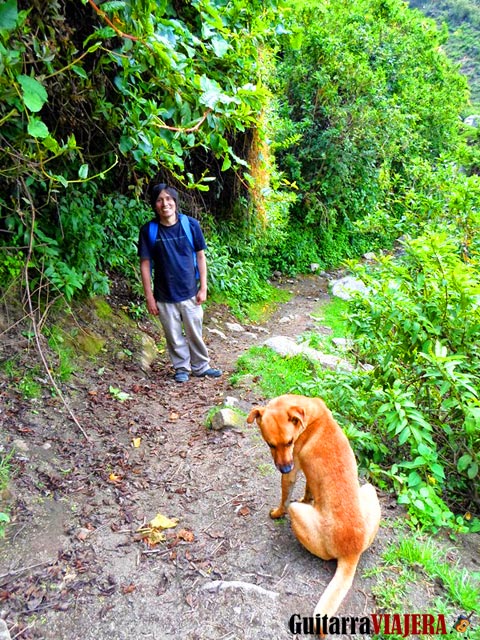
254, 414
296, 415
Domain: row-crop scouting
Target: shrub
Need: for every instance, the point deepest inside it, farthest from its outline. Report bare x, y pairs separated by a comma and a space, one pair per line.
420, 328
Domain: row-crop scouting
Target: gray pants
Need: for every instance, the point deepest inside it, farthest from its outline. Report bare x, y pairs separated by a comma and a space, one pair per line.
186, 347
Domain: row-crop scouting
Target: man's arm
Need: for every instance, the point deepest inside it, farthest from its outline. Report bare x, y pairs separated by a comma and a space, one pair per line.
202, 270
147, 286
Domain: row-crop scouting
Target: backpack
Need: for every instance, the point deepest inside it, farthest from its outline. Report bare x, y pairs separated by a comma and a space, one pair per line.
185, 222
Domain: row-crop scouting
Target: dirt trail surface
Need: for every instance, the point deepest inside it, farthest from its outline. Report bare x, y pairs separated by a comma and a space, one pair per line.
74, 566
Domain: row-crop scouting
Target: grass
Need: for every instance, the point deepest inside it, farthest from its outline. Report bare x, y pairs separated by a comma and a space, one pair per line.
4, 480
273, 373
461, 586
413, 560
333, 315
24, 381
255, 312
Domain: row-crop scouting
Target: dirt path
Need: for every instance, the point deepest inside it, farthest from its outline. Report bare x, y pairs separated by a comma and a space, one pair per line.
73, 565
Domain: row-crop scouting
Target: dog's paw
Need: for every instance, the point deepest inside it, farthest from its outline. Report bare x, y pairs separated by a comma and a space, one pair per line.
279, 512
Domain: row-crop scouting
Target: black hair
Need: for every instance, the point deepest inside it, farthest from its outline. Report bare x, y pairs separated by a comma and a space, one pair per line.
155, 192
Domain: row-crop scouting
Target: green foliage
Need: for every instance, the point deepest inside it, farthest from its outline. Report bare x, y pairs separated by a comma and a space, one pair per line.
420, 328
367, 92
5, 459
206, 54
25, 381
176, 95
462, 587
118, 394
237, 269
65, 364
333, 314
463, 20
88, 236
440, 194
414, 559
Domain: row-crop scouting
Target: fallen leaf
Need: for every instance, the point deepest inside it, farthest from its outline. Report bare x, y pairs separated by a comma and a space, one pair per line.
162, 522
173, 416
152, 533
136, 442
154, 537
244, 511
114, 478
186, 535
128, 588
83, 534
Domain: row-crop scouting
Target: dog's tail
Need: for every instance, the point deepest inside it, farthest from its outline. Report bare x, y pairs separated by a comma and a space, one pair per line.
338, 587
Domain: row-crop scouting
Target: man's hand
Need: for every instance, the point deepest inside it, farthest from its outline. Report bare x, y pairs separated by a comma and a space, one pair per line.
201, 295
152, 306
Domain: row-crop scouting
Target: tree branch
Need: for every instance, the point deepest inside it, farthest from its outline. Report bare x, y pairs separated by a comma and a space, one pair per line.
34, 321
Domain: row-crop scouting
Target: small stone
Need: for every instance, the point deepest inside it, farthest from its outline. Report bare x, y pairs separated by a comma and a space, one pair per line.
82, 534
227, 418
231, 401
235, 327
346, 287
218, 333
20, 445
4, 632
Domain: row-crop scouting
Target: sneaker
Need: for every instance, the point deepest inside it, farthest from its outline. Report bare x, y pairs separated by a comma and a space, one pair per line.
181, 376
211, 373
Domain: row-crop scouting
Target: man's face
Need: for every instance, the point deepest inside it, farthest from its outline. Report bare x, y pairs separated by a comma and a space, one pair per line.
166, 208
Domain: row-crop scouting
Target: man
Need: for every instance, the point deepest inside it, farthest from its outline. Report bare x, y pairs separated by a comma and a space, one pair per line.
172, 244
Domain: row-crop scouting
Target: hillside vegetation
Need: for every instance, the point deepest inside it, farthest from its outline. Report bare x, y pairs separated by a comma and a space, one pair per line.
462, 18
297, 132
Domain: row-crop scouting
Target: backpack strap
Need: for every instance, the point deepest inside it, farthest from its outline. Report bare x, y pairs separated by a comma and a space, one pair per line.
152, 236
185, 222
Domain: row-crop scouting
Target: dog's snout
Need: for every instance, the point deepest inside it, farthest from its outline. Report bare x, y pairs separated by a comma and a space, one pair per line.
285, 468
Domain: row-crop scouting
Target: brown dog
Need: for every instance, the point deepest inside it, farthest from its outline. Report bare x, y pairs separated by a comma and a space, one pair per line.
337, 519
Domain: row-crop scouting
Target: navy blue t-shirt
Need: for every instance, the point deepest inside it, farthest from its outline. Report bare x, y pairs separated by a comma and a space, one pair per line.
173, 266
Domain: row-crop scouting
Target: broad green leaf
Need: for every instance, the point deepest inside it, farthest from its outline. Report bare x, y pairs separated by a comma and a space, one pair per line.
8, 15
51, 144
83, 172
472, 470
464, 462
213, 94
37, 128
63, 181
219, 46
80, 71
34, 93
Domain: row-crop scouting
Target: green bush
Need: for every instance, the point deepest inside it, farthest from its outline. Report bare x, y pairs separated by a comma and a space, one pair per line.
419, 326
235, 272
365, 91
